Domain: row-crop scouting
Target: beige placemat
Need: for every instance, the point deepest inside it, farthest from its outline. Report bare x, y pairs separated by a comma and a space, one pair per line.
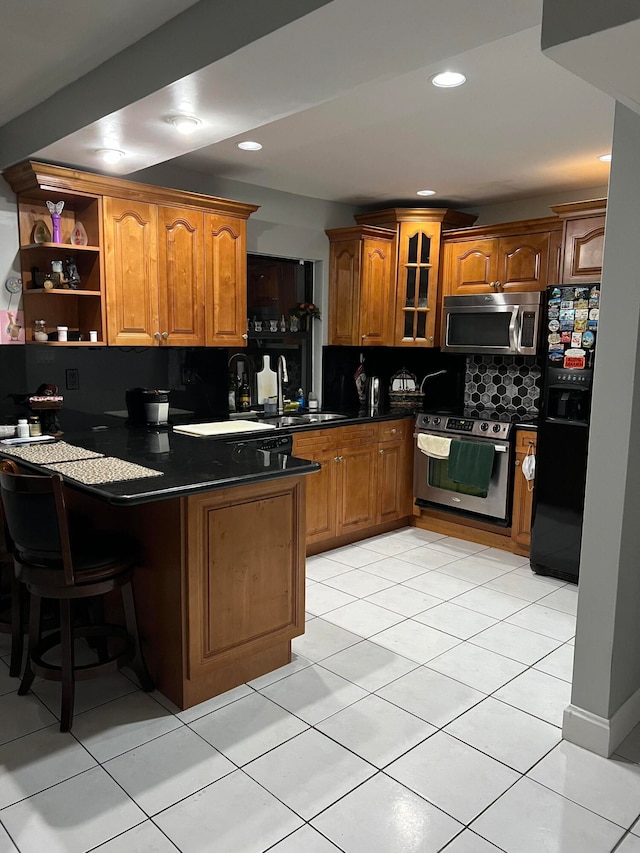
40, 454
108, 469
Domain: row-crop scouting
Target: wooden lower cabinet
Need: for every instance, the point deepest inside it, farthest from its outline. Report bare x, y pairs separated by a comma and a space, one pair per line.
364, 482
219, 585
522, 494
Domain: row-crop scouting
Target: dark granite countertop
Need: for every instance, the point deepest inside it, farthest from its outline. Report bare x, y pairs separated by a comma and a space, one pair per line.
189, 464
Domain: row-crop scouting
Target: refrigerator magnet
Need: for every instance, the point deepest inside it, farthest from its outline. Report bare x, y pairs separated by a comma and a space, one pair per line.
588, 340
555, 354
594, 314
574, 358
554, 339
565, 337
554, 325
555, 293
581, 303
568, 293
594, 294
580, 324
576, 339
566, 320
566, 305
553, 313
581, 293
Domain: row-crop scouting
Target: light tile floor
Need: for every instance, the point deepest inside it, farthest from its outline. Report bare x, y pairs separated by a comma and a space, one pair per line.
421, 713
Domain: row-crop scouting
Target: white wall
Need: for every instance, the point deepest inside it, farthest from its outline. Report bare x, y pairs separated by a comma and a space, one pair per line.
531, 208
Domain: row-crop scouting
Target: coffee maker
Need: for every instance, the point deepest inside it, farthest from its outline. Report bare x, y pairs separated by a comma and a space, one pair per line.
147, 407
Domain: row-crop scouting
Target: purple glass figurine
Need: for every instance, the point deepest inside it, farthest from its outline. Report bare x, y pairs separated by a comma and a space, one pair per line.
55, 210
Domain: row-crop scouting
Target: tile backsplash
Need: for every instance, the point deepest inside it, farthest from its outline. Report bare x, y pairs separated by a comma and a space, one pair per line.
506, 384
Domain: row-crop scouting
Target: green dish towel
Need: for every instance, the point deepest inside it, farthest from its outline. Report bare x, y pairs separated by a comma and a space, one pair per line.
471, 463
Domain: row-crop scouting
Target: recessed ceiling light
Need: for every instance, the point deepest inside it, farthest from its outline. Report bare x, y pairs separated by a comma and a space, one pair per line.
426, 192
110, 155
248, 145
184, 124
448, 79
606, 158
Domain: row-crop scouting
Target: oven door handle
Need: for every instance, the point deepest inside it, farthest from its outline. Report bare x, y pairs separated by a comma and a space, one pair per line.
499, 448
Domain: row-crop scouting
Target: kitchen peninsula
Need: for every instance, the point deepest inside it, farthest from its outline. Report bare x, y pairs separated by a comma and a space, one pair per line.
219, 578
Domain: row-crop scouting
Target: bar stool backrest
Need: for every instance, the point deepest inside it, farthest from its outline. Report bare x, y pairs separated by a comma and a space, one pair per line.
36, 519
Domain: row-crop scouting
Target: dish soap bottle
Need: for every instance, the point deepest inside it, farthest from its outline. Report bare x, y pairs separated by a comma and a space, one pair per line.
301, 400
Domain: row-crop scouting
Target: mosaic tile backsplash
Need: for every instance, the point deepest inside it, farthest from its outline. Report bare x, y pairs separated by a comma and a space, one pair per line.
504, 384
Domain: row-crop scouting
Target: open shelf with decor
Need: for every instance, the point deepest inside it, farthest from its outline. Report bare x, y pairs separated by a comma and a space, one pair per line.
63, 280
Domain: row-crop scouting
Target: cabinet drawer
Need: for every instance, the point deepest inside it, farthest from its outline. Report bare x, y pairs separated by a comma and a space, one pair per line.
525, 439
357, 435
395, 430
317, 440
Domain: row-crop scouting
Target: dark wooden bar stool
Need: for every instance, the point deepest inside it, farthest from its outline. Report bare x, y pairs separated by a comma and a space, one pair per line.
67, 564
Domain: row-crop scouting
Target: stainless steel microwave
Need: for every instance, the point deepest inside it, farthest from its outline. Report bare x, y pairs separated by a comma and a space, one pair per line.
492, 323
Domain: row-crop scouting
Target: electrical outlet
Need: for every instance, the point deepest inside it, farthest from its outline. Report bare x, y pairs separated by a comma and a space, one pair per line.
187, 376
73, 379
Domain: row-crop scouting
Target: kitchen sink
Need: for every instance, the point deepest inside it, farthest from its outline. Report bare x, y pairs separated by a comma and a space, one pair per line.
302, 420
321, 417
285, 420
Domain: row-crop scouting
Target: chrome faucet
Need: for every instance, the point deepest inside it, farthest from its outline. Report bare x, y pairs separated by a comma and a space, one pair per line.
281, 378
430, 376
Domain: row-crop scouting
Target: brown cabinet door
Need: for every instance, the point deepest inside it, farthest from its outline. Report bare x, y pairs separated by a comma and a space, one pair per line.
470, 266
344, 293
131, 272
181, 276
417, 283
320, 447
356, 488
523, 262
394, 482
522, 494
225, 281
376, 299
245, 584
583, 249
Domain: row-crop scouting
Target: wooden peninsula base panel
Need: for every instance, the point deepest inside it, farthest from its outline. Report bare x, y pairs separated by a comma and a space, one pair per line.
219, 585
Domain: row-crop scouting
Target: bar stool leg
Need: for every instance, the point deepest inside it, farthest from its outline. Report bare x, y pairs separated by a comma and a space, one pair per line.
137, 664
34, 637
17, 628
66, 664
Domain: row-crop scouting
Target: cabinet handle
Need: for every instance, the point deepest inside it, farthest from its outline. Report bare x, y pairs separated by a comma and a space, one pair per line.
394, 431
517, 462
245, 336
381, 452
364, 337
431, 338
341, 458
156, 335
336, 458
165, 335
498, 285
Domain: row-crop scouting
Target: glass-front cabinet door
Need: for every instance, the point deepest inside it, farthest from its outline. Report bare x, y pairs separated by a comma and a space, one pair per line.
417, 283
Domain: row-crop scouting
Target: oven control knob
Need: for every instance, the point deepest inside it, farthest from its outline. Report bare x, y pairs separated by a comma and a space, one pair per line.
497, 427
484, 426
436, 421
426, 420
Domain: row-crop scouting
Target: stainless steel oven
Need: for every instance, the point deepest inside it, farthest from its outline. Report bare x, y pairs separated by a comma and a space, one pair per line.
431, 481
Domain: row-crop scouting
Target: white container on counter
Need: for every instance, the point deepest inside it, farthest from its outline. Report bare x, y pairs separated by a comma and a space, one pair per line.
23, 428
62, 333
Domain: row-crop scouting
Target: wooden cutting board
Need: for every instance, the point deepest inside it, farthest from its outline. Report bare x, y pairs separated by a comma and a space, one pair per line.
266, 380
222, 428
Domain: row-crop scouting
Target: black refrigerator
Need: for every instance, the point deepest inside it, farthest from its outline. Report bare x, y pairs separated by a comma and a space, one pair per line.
570, 337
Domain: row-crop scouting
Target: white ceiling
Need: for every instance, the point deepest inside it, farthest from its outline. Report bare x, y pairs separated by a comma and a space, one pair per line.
342, 103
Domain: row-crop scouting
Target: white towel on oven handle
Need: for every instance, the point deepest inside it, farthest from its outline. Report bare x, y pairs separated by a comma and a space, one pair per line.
436, 446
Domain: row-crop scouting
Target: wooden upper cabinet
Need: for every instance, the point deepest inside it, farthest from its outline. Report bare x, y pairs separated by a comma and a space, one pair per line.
415, 268
515, 256
181, 276
417, 283
225, 281
523, 262
131, 272
168, 265
360, 279
470, 266
583, 240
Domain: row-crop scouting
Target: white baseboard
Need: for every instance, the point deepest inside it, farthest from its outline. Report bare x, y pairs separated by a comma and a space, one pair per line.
599, 734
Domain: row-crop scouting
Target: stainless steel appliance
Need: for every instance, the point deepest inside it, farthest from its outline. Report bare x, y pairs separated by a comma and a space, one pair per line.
492, 323
373, 395
563, 430
147, 407
431, 481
